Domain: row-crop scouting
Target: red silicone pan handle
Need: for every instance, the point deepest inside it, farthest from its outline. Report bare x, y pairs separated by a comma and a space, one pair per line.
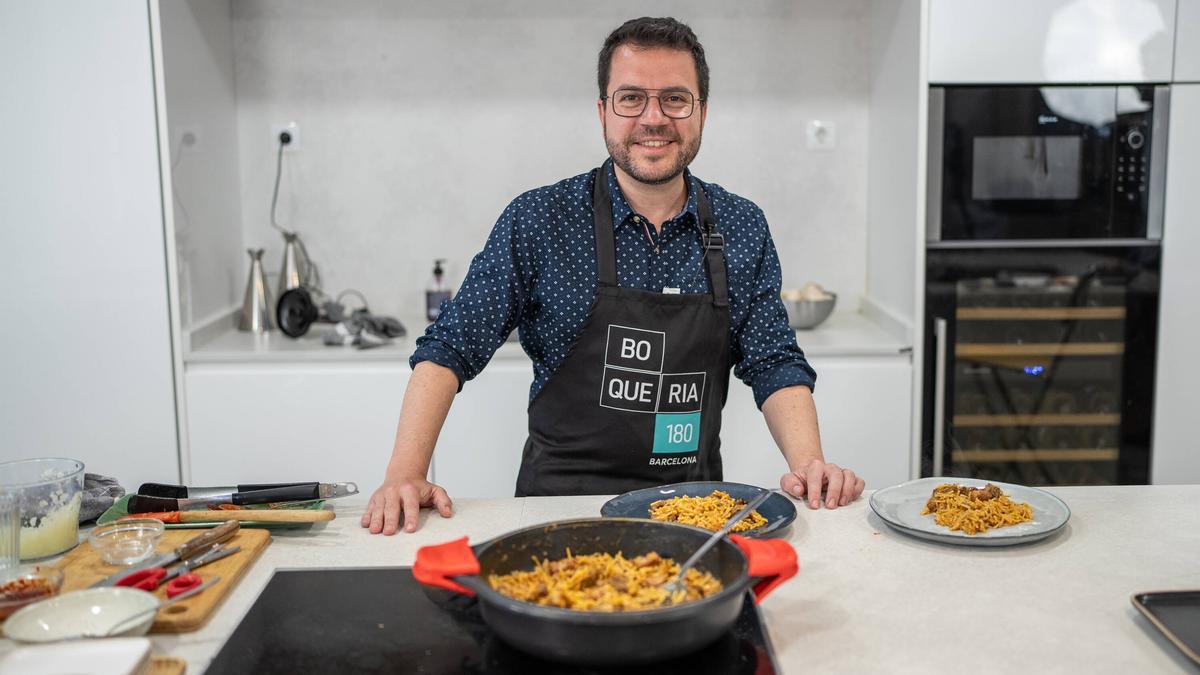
774, 560
437, 565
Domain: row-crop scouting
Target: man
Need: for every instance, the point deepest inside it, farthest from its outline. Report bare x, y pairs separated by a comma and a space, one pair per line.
635, 288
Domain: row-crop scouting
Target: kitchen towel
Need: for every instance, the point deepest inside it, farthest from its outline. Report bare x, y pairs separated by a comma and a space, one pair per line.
99, 493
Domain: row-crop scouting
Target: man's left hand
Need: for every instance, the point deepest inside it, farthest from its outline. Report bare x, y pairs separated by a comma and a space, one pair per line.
841, 486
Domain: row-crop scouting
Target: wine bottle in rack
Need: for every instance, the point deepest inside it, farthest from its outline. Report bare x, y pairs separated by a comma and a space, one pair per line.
1100, 400
1059, 403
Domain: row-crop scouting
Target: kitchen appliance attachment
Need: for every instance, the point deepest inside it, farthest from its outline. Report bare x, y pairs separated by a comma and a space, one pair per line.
296, 312
50, 492
256, 305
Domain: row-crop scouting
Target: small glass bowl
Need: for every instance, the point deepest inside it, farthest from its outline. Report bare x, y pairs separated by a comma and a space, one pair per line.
27, 584
126, 542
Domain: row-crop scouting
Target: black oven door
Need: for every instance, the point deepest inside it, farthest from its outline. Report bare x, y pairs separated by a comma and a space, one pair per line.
1040, 364
1038, 163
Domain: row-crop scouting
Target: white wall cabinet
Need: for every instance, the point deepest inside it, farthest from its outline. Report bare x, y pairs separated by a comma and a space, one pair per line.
259, 423
1187, 42
1175, 457
281, 422
1074, 41
479, 450
864, 410
86, 361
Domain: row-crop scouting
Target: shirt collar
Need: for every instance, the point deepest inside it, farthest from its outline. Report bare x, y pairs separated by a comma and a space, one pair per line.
621, 209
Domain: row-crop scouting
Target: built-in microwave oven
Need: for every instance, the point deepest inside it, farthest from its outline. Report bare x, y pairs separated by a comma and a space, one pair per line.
1010, 163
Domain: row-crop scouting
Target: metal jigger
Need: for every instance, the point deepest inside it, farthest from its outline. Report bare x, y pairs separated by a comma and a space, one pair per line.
257, 306
294, 273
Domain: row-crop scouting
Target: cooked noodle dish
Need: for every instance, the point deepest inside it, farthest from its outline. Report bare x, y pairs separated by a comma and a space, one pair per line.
710, 513
975, 510
602, 582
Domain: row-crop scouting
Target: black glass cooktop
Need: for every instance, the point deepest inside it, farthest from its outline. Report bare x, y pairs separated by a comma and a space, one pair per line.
381, 620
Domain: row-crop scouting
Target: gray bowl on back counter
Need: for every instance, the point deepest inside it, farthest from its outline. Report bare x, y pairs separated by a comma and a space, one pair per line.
806, 314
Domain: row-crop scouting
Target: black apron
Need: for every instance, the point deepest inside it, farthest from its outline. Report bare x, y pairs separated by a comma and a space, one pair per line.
637, 401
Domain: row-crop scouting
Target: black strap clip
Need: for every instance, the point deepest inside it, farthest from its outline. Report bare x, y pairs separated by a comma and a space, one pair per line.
713, 241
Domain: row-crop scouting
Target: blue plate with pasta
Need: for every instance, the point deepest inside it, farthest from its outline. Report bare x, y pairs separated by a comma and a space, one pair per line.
777, 512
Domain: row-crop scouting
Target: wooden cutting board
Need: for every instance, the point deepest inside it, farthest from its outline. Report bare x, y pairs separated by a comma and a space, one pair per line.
83, 567
167, 665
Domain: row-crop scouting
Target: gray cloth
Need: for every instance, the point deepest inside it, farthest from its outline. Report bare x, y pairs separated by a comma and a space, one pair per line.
99, 493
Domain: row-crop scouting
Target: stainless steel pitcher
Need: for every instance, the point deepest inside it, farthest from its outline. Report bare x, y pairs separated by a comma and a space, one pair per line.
257, 307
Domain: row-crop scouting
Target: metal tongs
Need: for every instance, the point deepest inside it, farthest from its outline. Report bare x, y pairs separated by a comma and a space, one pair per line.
676, 585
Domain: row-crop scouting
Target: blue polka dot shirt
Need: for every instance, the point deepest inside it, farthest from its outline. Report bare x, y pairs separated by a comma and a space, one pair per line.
537, 274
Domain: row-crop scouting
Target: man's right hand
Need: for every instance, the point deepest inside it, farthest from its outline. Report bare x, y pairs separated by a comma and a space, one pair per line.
407, 496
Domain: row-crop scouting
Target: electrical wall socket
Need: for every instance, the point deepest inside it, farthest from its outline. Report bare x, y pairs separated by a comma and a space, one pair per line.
292, 128
820, 135
187, 139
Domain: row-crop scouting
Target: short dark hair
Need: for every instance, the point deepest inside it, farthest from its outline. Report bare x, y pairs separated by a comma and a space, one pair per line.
653, 32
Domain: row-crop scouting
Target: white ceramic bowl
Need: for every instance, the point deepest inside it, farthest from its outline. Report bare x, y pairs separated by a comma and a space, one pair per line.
93, 610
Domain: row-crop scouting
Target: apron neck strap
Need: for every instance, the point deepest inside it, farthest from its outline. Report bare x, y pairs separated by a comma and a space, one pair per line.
714, 251
606, 257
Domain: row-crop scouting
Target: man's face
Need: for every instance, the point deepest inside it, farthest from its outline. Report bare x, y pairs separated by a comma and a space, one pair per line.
652, 148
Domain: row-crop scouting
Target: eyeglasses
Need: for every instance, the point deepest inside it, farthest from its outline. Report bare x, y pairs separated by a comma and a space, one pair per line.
675, 103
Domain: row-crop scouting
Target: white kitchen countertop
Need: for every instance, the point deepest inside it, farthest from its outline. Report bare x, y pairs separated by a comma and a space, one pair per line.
867, 599
843, 334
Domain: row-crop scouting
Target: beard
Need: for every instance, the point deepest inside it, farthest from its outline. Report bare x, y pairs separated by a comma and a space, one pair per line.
619, 150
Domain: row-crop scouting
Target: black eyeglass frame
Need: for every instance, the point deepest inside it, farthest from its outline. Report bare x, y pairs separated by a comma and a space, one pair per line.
646, 92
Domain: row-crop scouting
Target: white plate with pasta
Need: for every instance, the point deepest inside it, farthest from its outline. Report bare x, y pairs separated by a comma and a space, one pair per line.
971, 514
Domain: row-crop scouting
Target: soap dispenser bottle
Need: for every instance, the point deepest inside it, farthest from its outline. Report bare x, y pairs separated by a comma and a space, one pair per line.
437, 292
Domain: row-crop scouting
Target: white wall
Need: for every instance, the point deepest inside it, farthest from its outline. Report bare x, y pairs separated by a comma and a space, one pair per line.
1031, 41
420, 121
200, 94
86, 354
1176, 451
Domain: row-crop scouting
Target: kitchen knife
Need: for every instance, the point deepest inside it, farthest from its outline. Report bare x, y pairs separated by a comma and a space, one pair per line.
259, 515
201, 560
153, 577
315, 490
140, 503
192, 547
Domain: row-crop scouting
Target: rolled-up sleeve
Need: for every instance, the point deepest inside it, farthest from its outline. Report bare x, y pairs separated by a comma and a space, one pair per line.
487, 307
765, 354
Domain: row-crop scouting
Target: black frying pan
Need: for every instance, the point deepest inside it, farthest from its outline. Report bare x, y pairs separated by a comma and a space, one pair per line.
608, 638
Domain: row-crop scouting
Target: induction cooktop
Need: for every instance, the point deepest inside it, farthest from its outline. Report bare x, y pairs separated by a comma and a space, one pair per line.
381, 620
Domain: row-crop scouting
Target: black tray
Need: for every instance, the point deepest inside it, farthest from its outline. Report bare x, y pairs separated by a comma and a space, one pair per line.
381, 620
1177, 615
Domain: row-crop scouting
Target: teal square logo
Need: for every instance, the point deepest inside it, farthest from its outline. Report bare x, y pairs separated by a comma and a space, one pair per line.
676, 432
